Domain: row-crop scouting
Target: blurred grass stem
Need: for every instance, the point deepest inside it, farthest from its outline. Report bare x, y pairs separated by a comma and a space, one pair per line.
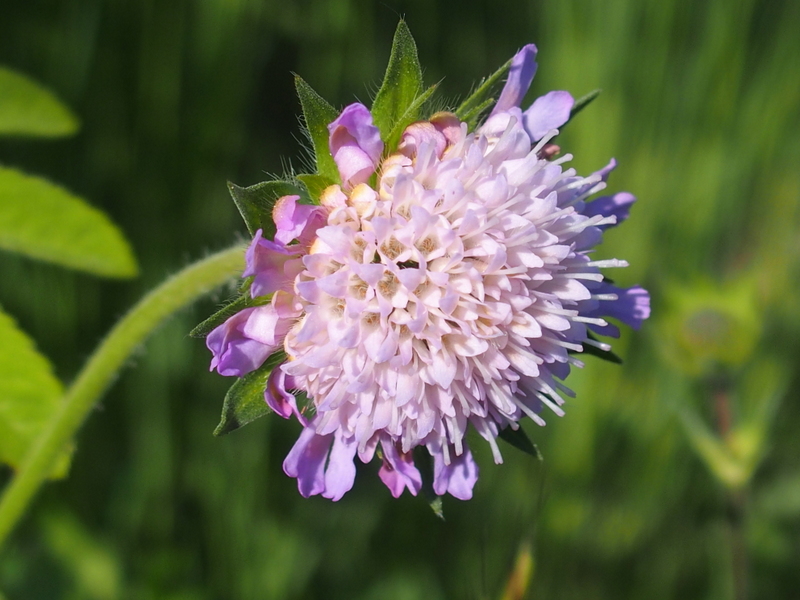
737, 504
178, 291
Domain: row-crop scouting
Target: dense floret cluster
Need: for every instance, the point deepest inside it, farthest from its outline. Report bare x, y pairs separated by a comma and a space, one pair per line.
442, 284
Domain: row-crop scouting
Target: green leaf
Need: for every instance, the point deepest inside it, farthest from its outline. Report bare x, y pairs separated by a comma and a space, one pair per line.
599, 353
318, 114
483, 97
28, 109
412, 114
227, 311
315, 184
244, 402
44, 221
580, 104
255, 203
520, 440
401, 85
29, 395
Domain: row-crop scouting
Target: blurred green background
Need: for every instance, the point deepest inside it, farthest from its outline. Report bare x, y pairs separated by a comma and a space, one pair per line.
676, 475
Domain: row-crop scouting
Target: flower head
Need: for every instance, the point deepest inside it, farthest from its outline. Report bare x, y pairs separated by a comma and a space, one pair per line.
452, 294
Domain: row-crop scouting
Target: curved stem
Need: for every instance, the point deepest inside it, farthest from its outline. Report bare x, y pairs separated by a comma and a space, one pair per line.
176, 292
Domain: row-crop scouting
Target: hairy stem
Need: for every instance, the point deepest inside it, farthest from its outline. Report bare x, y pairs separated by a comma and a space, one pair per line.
102, 367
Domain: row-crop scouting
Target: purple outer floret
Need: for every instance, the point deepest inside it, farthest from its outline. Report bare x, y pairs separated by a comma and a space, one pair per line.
520, 75
618, 205
398, 471
236, 354
355, 144
631, 307
547, 112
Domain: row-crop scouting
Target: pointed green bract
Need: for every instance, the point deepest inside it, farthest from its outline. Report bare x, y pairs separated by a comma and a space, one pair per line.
315, 184
401, 85
45, 221
473, 117
520, 440
255, 203
28, 109
318, 114
483, 97
412, 114
225, 313
244, 402
582, 103
29, 395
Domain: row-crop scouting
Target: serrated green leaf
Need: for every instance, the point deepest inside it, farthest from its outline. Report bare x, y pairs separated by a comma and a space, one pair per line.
244, 402
45, 221
401, 85
315, 184
413, 113
483, 96
28, 109
318, 114
223, 314
580, 104
603, 354
29, 395
520, 440
255, 203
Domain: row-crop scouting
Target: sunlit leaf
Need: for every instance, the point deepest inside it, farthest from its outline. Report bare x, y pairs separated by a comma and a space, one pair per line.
401, 85
28, 109
318, 114
29, 395
244, 402
255, 203
44, 221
